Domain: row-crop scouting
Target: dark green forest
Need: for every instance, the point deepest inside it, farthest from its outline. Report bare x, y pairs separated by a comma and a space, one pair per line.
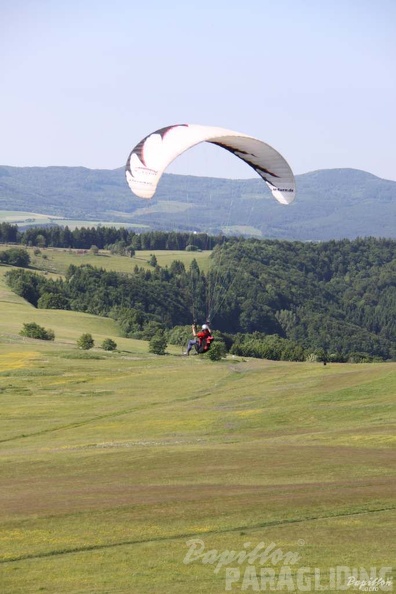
266, 298
84, 238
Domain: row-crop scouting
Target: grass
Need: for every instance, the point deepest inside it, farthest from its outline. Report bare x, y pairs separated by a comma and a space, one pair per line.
112, 462
57, 260
31, 219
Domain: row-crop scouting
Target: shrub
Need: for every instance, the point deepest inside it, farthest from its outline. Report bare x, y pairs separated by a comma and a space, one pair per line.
109, 345
158, 343
33, 330
15, 257
217, 351
85, 342
153, 260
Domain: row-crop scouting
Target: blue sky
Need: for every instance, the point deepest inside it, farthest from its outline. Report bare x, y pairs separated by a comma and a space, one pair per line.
83, 81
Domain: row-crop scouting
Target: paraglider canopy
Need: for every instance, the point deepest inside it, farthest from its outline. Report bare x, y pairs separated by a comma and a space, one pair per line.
152, 155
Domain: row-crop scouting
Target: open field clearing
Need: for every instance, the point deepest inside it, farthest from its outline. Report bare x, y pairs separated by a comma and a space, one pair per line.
112, 462
57, 260
32, 219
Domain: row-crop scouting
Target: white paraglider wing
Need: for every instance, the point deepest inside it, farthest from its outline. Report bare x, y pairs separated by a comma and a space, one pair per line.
149, 159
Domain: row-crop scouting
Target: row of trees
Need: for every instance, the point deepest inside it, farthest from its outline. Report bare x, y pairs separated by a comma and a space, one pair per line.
9, 233
336, 297
105, 238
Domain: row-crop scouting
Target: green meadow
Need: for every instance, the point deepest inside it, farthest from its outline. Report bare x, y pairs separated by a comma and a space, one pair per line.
32, 219
115, 465
57, 260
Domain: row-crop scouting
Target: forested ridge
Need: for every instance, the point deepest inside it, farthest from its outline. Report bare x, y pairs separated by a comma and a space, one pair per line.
336, 297
330, 203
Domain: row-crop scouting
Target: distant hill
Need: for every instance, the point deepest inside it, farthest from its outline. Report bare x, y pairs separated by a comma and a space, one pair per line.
330, 204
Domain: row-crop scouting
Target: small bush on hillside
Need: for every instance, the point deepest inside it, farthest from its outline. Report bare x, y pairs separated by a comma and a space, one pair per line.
158, 344
217, 351
153, 260
109, 345
33, 330
85, 342
15, 257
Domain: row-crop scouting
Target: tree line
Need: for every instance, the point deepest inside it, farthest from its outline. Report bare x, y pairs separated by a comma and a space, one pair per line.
105, 238
335, 297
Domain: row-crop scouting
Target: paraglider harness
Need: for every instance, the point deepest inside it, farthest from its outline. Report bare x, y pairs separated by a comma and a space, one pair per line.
204, 342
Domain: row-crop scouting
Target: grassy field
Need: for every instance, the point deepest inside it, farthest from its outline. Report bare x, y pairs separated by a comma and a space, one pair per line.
57, 260
32, 219
111, 463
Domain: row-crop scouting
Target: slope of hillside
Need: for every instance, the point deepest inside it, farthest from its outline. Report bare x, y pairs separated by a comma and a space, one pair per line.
112, 463
330, 204
68, 326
